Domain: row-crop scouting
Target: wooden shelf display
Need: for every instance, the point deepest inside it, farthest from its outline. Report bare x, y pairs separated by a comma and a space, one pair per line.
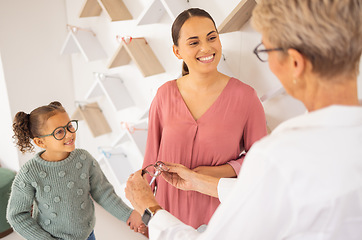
115, 9
113, 88
118, 162
137, 132
138, 50
93, 116
238, 17
157, 9
272, 94
83, 41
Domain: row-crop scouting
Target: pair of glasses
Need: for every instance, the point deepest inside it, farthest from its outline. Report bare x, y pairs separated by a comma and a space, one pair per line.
60, 132
155, 170
262, 54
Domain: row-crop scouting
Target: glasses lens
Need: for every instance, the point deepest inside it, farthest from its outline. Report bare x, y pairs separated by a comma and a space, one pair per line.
263, 56
152, 171
161, 166
72, 126
59, 133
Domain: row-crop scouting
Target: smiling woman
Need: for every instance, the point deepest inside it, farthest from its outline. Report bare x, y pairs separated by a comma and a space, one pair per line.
203, 120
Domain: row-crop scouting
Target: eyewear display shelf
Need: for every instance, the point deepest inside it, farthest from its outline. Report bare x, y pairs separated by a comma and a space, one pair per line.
138, 50
238, 17
113, 88
83, 41
157, 8
115, 9
93, 116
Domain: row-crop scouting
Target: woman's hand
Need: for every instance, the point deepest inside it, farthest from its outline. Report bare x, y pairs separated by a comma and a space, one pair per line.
183, 178
139, 193
179, 176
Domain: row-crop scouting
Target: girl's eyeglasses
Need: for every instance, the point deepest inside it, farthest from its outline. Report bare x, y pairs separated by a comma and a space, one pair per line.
155, 170
60, 132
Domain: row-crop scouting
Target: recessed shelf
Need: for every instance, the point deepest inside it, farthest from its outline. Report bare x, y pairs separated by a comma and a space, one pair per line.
93, 116
138, 50
118, 162
115, 9
113, 88
154, 12
272, 94
238, 17
83, 41
137, 132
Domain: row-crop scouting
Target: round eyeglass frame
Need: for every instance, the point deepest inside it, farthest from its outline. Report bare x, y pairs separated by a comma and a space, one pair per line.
65, 128
258, 51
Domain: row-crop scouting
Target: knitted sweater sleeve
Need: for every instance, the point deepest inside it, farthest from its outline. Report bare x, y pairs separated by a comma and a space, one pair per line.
19, 210
103, 193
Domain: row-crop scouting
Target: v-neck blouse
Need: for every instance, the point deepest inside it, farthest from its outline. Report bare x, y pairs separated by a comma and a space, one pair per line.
230, 126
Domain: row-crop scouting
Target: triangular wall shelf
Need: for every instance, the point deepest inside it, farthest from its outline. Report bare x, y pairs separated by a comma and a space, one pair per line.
138, 50
113, 88
115, 9
154, 12
118, 162
93, 116
85, 42
272, 94
238, 17
138, 134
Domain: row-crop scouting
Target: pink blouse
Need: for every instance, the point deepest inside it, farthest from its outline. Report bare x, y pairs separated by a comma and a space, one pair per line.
230, 126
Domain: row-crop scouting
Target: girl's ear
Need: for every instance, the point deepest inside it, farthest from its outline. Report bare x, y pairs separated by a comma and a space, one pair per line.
176, 51
39, 142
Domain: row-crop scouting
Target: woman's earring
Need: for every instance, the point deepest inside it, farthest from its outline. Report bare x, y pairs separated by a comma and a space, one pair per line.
294, 81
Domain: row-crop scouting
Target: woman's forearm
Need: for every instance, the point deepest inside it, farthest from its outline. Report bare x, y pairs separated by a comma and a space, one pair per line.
222, 171
206, 184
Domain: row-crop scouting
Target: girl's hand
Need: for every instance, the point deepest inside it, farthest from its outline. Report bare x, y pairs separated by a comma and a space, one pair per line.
135, 221
143, 229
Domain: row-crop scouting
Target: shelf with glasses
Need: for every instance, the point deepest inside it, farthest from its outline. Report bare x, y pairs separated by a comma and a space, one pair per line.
83, 41
137, 132
92, 114
158, 8
138, 50
118, 161
115, 9
238, 17
113, 88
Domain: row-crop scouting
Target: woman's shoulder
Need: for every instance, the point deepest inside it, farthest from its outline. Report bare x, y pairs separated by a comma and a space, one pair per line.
167, 86
241, 85
237, 86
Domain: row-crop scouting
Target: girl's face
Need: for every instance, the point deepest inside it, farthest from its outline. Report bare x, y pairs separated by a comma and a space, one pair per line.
55, 149
199, 45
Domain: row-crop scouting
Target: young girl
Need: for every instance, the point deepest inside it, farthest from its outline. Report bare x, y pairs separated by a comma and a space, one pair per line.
52, 194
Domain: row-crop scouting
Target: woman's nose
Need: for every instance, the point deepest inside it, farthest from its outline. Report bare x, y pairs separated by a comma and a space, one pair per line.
205, 47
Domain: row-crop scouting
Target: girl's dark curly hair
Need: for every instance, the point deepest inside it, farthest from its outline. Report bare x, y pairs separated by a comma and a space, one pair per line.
28, 126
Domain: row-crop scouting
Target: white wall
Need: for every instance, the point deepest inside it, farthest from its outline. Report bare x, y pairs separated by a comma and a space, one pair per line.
240, 62
34, 73
7, 149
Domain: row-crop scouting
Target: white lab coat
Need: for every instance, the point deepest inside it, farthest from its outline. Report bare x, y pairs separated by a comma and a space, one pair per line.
304, 181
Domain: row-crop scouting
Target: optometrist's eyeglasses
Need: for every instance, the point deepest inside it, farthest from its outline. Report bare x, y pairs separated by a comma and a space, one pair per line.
155, 170
60, 132
262, 54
